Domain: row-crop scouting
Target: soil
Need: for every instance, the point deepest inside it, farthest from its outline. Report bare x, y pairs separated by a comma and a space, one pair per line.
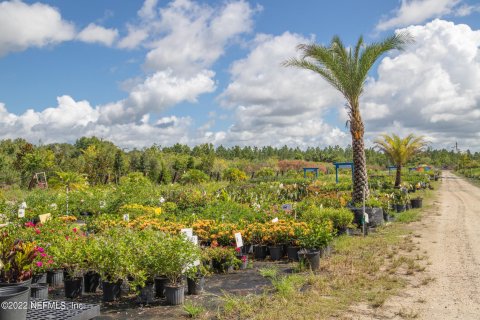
449, 235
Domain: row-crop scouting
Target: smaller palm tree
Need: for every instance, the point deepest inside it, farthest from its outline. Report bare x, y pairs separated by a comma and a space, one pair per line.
400, 150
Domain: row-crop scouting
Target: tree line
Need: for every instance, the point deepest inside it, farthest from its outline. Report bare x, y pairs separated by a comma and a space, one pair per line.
103, 162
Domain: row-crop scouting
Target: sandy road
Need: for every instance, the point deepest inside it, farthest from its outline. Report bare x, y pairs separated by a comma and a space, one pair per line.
452, 240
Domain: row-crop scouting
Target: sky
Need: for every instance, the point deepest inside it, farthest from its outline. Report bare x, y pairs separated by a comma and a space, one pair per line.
157, 71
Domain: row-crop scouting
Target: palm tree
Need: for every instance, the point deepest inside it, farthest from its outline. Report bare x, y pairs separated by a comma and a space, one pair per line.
347, 70
400, 150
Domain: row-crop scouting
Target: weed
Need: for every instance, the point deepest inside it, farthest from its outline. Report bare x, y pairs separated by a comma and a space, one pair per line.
269, 272
193, 310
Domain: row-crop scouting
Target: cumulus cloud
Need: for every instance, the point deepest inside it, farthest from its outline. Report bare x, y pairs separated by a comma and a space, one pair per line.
418, 11
97, 34
36, 25
277, 105
72, 119
432, 88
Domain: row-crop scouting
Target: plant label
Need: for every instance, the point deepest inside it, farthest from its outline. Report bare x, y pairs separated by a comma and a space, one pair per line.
194, 239
23, 205
196, 263
275, 220
21, 213
365, 216
126, 217
287, 207
44, 217
188, 232
238, 239
102, 204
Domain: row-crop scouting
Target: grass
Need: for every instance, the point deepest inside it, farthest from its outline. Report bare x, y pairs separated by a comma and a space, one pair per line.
193, 310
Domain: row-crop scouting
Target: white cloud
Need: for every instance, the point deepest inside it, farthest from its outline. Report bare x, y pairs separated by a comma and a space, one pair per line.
278, 105
155, 94
134, 37
432, 88
97, 34
418, 11
36, 25
72, 119
148, 10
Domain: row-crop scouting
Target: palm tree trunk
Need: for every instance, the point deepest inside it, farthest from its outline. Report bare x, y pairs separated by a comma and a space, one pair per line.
360, 177
398, 177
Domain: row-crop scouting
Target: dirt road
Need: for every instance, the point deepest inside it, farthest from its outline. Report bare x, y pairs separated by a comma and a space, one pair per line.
448, 239
452, 242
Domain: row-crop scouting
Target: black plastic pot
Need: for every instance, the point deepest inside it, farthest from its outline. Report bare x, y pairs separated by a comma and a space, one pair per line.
400, 207
276, 252
146, 293
195, 286
160, 283
260, 252
55, 277
292, 253
175, 295
375, 216
91, 281
39, 278
18, 296
111, 290
39, 290
313, 258
416, 203
73, 287
246, 249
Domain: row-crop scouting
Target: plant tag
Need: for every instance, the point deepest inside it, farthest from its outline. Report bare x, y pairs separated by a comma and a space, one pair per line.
287, 207
194, 239
275, 220
102, 204
188, 232
21, 213
196, 263
126, 217
44, 217
23, 205
365, 216
238, 239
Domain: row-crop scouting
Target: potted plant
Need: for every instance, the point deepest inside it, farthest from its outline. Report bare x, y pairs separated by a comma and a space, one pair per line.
196, 279
180, 256
16, 257
111, 258
224, 259
316, 238
70, 255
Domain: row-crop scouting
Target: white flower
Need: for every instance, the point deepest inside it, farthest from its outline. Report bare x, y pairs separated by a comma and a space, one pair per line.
162, 200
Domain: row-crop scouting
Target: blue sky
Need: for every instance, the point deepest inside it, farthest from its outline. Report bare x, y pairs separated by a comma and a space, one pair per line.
144, 72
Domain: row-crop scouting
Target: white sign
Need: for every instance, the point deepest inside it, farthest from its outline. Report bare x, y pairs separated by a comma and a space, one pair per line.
187, 232
194, 239
126, 217
238, 239
365, 216
196, 263
275, 220
21, 213
44, 217
23, 205
102, 204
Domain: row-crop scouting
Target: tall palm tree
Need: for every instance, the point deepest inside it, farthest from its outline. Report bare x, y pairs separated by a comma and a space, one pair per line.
347, 70
400, 150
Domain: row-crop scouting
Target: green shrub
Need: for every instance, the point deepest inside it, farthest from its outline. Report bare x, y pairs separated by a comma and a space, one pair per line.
340, 218
194, 176
234, 175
